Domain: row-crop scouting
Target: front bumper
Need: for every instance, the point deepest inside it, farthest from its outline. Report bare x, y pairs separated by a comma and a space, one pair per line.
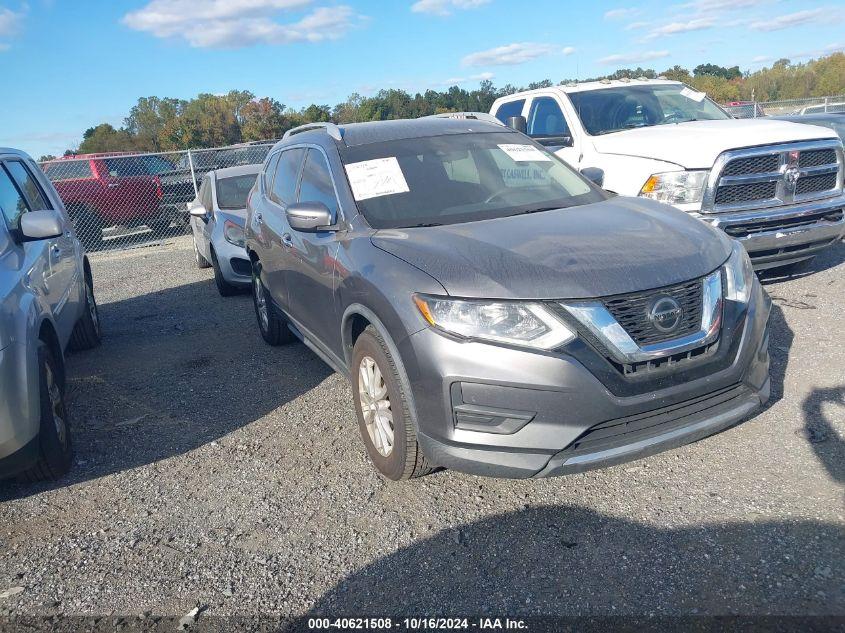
233, 261
781, 236
507, 412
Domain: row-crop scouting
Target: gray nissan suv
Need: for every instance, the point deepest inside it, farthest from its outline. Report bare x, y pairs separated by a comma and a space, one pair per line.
495, 311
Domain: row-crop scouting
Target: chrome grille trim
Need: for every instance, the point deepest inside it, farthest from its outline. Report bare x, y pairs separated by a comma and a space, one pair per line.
736, 169
597, 319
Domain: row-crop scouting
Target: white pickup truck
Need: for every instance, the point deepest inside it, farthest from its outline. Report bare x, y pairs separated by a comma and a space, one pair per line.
774, 185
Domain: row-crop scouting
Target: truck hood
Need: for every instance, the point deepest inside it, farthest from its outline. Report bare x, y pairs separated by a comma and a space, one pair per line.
616, 246
696, 144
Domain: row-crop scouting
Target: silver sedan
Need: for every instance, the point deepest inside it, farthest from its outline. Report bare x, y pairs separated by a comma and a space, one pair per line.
217, 222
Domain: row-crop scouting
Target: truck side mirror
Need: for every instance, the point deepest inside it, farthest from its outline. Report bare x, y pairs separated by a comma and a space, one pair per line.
518, 123
594, 175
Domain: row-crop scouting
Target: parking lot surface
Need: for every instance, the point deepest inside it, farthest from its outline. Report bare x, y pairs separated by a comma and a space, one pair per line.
214, 470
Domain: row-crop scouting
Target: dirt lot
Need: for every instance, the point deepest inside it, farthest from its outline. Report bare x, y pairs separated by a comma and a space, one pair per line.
214, 470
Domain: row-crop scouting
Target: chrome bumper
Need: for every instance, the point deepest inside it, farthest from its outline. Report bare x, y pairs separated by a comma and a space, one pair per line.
779, 236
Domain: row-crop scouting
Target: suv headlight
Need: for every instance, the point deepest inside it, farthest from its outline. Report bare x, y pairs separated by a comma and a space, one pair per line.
524, 324
234, 233
676, 187
739, 275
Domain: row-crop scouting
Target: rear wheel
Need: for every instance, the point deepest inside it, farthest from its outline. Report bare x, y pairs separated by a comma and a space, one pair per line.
383, 410
223, 287
273, 329
55, 451
86, 333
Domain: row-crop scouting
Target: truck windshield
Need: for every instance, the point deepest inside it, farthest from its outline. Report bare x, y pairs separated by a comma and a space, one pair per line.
620, 108
233, 191
460, 178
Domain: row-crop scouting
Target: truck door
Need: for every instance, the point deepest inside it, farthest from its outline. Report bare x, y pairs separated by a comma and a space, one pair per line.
548, 126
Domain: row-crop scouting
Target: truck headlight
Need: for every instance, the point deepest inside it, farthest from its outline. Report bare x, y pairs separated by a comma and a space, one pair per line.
523, 324
739, 275
234, 233
676, 187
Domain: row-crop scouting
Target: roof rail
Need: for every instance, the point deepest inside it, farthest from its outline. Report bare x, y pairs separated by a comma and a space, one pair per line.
475, 116
330, 128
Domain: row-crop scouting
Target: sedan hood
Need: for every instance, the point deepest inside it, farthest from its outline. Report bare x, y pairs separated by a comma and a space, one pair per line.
697, 144
617, 246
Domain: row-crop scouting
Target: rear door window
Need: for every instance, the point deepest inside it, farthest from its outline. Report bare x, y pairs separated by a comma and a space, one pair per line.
317, 182
287, 174
12, 203
509, 109
27, 183
68, 170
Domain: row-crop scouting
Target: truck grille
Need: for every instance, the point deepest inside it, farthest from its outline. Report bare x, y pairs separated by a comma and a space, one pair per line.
775, 175
631, 311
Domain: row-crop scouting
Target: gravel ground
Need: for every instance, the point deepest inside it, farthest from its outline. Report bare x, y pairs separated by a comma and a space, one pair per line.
213, 470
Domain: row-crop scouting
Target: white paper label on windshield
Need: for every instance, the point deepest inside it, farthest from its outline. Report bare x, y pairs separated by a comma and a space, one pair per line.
523, 153
689, 93
375, 178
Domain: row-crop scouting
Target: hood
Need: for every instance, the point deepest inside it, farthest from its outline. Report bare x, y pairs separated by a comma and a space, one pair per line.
612, 247
697, 144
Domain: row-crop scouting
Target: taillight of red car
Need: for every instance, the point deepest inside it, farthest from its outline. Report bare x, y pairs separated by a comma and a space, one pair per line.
159, 191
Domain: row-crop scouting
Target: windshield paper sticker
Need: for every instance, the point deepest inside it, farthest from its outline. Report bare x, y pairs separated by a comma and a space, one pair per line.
696, 96
375, 178
524, 153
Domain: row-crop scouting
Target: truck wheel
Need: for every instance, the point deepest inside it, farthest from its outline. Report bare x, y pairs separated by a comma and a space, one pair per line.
202, 262
223, 287
273, 329
89, 227
383, 410
55, 451
86, 333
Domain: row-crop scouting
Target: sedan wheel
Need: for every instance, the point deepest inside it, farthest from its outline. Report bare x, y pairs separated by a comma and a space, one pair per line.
375, 406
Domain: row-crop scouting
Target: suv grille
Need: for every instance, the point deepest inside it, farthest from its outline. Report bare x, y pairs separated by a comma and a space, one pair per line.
631, 311
775, 175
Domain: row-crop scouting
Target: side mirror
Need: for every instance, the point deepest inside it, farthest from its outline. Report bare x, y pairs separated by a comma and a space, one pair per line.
309, 217
41, 225
517, 123
594, 175
197, 210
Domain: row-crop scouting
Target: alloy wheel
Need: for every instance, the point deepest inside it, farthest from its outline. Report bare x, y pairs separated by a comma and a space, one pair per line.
56, 406
92, 306
260, 302
375, 406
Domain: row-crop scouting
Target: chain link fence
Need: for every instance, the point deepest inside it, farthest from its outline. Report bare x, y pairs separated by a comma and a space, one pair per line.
122, 199
810, 105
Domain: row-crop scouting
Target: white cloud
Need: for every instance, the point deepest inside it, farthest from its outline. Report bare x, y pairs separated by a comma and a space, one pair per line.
509, 55
790, 20
705, 6
445, 7
673, 28
11, 23
456, 81
636, 25
568, 50
239, 23
619, 14
632, 58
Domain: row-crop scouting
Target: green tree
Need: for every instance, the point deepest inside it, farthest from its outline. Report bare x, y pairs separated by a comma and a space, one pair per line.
263, 119
147, 120
105, 138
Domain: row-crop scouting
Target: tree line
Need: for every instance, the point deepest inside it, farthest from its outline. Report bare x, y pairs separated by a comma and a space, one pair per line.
157, 124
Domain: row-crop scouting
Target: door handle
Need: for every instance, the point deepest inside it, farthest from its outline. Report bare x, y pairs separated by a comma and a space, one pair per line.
287, 240
258, 218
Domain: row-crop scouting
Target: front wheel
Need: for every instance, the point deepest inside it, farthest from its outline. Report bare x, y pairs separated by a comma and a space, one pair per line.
273, 329
55, 451
223, 287
383, 410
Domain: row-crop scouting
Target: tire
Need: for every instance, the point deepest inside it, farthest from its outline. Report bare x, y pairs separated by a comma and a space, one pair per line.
87, 333
202, 262
273, 329
89, 228
223, 287
55, 449
376, 377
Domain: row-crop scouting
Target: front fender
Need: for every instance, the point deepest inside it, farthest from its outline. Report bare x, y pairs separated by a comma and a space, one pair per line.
626, 175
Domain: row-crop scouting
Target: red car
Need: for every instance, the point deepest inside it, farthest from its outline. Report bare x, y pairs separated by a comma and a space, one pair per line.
103, 190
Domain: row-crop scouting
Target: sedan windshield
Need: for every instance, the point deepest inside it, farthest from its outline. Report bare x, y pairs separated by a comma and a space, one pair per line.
460, 178
232, 192
615, 109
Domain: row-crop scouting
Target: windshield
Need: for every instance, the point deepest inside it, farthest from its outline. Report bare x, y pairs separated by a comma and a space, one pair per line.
232, 192
460, 178
615, 109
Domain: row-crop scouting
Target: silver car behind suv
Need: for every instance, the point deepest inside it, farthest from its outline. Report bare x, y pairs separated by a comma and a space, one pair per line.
46, 303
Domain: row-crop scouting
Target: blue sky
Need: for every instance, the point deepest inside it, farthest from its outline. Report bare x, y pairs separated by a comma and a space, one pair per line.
70, 64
